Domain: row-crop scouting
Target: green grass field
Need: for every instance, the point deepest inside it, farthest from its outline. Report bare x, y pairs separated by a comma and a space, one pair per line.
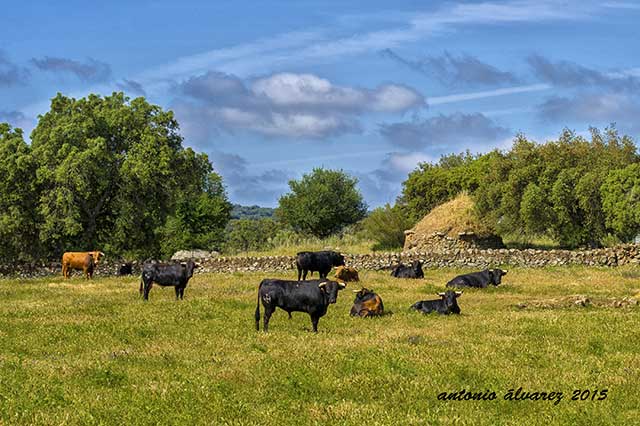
86, 353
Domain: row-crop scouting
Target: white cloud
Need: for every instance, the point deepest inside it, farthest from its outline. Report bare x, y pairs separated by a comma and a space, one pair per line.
286, 104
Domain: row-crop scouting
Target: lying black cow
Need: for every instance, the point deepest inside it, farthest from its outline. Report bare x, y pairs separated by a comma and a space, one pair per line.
478, 279
321, 261
312, 297
172, 274
413, 271
125, 269
448, 304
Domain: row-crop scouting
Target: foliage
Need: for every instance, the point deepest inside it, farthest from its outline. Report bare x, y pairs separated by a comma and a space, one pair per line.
322, 203
18, 197
251, 212
386, 226
552, 190
244, 235
621, 201
112, 174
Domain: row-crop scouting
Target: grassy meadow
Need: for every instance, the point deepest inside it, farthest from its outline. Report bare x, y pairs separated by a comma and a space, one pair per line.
79, 352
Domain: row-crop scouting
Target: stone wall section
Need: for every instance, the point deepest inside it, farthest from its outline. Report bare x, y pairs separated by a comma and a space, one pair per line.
442, 258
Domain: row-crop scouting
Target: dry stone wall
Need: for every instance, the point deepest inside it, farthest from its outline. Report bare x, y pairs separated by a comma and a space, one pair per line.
454, 257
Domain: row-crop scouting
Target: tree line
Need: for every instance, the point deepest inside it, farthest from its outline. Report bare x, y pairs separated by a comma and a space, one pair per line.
577, 191
111, 173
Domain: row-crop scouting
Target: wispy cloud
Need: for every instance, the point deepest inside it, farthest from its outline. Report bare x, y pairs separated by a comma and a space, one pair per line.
570, 74
11, 74
593, 108
322, 44
461, 97
455, 71
90, 70
131, 86
444, 132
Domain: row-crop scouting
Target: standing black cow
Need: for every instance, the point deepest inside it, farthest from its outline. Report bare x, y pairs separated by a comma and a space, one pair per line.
448, 304
321, 261
413, 271
173, 274
478, 279
312, 297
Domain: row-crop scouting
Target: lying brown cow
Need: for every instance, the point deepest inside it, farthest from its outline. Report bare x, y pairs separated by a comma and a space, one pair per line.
346, 274
367, 304
87, 261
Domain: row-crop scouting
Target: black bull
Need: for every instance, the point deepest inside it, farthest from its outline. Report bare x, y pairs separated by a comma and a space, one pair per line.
447, 304
480, 279
176, 275
321, 261
312, 297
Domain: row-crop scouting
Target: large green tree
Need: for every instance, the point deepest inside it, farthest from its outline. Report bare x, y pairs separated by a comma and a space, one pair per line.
322, 203
621, 201
18, 198
111, 171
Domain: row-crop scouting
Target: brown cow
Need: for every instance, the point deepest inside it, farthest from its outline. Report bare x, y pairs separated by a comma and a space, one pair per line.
85, 260
346, 274
367, 304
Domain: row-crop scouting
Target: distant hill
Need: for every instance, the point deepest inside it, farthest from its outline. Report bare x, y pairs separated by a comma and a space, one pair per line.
251, 212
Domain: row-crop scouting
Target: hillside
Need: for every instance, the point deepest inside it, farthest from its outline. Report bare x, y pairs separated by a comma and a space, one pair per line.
251, 212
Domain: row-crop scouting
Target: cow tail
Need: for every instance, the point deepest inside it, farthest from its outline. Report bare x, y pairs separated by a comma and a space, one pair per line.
257, 315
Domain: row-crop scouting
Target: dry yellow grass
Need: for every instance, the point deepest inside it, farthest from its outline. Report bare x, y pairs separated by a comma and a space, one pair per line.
451, 218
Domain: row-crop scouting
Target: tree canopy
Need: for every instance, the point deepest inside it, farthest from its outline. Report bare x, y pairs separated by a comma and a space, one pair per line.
111, 173
573, 190
322, 203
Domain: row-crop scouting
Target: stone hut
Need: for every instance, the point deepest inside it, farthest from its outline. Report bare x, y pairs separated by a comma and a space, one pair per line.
451, 225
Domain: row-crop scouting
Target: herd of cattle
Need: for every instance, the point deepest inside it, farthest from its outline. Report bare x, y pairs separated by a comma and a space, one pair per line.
310, 296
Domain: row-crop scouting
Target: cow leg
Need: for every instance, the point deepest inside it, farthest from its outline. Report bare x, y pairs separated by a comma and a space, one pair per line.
177, 289
314, 322
304, 274
268, 311
147, 289
299, 272
289, 312
182, 293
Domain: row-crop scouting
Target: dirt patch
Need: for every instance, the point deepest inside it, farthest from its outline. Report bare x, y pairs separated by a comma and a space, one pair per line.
579, 301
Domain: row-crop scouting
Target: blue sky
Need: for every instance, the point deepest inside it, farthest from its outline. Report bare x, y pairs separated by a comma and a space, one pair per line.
272, 89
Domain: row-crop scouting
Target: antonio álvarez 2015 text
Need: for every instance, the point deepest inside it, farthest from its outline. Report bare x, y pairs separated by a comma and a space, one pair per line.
521, 395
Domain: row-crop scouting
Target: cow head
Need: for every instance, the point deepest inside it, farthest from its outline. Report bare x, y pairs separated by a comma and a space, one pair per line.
337, 259
362, 294
96, 255
331, 288
416, 265
449, 298
497, 276
346, 273
189, 267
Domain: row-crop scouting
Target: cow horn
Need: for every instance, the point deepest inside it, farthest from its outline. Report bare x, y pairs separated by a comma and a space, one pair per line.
356, 291
504, 272
322, 284
459, 293
440, 294
342, 284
